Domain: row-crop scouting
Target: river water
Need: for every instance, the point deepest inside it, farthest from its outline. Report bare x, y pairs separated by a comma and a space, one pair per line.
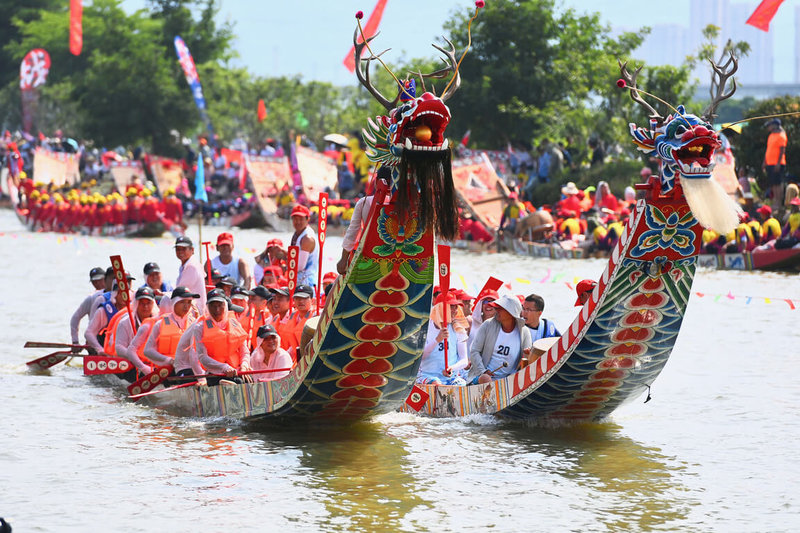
714, 450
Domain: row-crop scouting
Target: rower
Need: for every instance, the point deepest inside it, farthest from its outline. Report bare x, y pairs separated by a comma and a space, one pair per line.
305, 238
154, 280
499, 343
432, 369
269, 355
584, 289
241, 297
162, 341
190, 274
280, 308
303, 297
483, 311
273, 255
145, 313
258, 314
271, 276
532, 309
97, 279
220, 343
358, 222
229, 264
226, 284
110, 303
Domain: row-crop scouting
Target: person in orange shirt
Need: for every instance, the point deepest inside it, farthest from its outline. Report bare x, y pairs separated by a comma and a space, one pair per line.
775, 160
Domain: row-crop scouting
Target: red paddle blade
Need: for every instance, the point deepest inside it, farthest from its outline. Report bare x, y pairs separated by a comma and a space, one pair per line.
151, 392
49, 360
98, 364
150, 381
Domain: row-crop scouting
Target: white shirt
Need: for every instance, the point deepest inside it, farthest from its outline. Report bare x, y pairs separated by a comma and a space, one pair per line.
357, 222
280, 359
123, 340
190, 275
506, 349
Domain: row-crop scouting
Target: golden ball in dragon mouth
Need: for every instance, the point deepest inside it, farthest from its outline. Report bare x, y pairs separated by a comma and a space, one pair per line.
423, 133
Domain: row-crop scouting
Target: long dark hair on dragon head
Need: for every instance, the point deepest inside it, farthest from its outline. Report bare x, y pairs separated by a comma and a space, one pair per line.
431, 174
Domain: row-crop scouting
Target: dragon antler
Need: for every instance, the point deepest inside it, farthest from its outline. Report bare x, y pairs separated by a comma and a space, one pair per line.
630, 82
363, 77
719, 79
450, 60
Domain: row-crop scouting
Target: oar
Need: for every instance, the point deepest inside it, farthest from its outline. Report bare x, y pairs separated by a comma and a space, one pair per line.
34, 344
444, 287
150, 381
98, 364
504, 365
244, 373
151, 392
50, 359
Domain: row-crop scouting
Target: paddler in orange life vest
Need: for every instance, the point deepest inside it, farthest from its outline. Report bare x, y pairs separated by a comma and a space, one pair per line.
240, 298
220, 343
106, 308
162, 341
280, 306
145, 313
258, 314
304, 309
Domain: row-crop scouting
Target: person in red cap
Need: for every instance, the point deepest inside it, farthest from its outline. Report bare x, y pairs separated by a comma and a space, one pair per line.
770, 227
584, 290
481, 312
433, 368
273, 255
306, 239
228, 264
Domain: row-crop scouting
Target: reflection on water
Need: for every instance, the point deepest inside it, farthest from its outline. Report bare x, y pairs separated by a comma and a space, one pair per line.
360, 472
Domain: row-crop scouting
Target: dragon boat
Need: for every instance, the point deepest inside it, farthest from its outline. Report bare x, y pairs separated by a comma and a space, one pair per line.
366, 345
624, 334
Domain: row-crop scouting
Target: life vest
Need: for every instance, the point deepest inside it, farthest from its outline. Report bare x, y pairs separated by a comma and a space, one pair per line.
794, 223
168, 336
599, 233
770, 230
256, 319
617, 227
297, 324
570, 227
140, 351
286, 330
223, 344
109, 343
744, 229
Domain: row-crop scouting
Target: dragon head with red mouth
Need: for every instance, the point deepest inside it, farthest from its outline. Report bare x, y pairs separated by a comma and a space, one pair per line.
686, 144
410, 139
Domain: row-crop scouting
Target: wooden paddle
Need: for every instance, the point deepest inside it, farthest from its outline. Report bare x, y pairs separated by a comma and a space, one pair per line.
244, 373
151, 392
150, 381
50, 359
35, 344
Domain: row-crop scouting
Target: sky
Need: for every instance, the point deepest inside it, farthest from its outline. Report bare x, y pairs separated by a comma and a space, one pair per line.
312, 37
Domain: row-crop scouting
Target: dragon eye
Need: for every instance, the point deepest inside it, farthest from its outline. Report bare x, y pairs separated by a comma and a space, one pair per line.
680, 130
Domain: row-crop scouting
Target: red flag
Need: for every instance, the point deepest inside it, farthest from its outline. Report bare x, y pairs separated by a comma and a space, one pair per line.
763, 14
370, 30
492, 284
465, 138
75, 27
262, 111
417, 398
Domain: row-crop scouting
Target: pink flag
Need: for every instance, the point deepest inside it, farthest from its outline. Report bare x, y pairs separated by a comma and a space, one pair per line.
75, 27
764, 13
370, 30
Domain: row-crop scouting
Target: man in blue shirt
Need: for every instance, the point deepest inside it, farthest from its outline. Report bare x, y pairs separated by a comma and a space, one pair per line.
540, 328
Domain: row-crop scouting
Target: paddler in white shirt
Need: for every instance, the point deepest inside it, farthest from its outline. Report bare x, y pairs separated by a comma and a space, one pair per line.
97, 277
215, 343
108, 304
190, 274
144, 314
269, 355
161, 342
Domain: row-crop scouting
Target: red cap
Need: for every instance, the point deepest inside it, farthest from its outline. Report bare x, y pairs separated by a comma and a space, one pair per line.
490, 294
765, 210
300, 210
447, 298
512, 195
275, 269
275, 242
225, 238
329, 276
795, 201
585, 285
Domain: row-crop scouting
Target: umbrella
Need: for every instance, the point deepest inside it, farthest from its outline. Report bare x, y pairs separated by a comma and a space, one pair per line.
336, 138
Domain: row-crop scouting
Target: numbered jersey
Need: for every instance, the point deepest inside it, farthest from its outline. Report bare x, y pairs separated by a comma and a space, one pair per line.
506, 349
433, 363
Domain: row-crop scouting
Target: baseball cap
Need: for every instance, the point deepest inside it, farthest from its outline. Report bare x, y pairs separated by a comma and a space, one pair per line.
149, 268
303, 291
773, 122
267, 330
262, 292
300, 210
490, 295
275, 269
216, 295
448, 298
283, 291
181, 293
97, 273
510, 304
240, 292
275, 242
225, 238
182, 241
145, 292
329, 276
227, 280
584, 285
216, 275
765, 210
795, 201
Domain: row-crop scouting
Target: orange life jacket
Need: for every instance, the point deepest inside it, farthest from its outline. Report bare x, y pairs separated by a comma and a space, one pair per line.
140, 351
255, 319
285, 329
168, 336
223, 344
109, 345
298, 323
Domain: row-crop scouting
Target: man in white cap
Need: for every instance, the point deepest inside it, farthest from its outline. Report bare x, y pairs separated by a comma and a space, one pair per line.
499, 343
161, 342
154, 280
190, 274
97, 278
